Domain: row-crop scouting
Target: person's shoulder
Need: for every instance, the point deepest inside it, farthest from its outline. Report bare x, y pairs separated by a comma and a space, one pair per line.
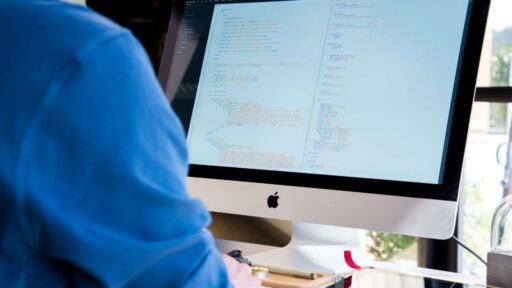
81, 21
61, 16
58, 27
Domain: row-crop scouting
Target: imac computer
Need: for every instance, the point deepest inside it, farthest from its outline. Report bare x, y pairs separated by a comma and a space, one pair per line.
350, 113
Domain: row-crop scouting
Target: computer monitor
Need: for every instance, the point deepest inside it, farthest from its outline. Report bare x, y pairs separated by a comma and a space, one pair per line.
353, 113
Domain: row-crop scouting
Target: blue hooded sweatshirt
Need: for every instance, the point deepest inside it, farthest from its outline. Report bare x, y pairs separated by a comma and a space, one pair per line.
92, 160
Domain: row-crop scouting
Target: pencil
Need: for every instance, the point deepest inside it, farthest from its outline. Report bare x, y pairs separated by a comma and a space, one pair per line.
292, 272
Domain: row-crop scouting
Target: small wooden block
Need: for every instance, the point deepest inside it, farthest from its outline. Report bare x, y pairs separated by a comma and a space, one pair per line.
499, 268
286, 281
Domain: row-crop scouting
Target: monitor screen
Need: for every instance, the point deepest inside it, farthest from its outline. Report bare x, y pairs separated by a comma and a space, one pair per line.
322, 93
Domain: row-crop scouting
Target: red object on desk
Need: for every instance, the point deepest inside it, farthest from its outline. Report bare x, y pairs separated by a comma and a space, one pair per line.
350, 262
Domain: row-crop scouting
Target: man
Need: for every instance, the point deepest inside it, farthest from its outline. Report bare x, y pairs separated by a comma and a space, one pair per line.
93, 161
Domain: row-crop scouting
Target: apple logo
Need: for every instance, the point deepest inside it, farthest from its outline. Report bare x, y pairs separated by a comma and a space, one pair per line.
272, 201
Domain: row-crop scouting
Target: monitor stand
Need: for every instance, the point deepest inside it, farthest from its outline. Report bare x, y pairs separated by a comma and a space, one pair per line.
313, 247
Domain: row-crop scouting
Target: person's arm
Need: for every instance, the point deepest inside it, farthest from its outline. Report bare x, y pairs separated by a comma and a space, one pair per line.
103, 174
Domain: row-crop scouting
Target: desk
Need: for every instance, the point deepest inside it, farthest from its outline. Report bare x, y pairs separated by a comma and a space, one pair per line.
395, 270
437, 274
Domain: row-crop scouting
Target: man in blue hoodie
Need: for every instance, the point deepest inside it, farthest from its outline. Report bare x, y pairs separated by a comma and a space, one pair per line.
93, 161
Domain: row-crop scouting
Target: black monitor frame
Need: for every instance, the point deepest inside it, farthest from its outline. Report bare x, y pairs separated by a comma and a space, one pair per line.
458, 125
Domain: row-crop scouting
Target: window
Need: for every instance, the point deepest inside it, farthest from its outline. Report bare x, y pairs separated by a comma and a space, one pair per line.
483, 177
